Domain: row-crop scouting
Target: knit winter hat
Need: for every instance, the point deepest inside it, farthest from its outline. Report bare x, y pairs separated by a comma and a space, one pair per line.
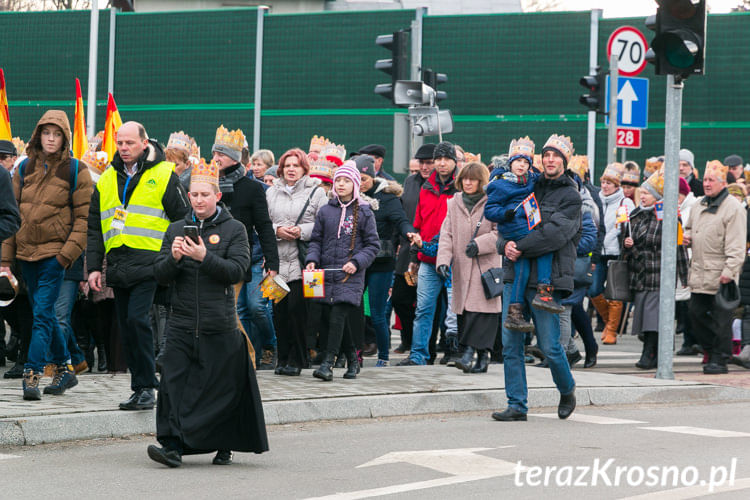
561, 145
445, 149
365, 165
613, 173
684, 187
688, 156
736, 190
655, 184
348, 170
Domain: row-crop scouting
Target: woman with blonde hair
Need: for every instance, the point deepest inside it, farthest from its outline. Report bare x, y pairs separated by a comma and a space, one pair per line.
261, 161
467, 247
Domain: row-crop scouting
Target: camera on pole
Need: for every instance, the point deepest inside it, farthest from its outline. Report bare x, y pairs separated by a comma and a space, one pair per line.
397, 66
680, 42
595, 84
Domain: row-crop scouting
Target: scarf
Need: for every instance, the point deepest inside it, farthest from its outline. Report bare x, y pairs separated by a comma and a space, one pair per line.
226, 183
470, 200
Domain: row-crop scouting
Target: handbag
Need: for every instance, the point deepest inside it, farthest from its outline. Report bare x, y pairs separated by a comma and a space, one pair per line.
386, 250
582, 275
618, 282
302, 245
492, 279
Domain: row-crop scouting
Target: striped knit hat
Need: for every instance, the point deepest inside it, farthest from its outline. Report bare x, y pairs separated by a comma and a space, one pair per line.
348, 170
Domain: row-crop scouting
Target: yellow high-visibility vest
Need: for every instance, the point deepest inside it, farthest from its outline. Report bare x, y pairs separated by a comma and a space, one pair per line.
146, 221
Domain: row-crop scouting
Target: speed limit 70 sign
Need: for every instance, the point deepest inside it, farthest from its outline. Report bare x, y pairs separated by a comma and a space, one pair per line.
629, 45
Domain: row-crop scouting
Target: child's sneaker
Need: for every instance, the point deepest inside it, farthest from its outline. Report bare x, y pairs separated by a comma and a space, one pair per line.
382, 363
515, 320
543, 299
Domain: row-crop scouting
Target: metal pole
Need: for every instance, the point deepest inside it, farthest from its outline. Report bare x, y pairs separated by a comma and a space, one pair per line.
596, 14
672, 125
112, 37
416, 44
612, 132
93, 43
262, 9
623, 155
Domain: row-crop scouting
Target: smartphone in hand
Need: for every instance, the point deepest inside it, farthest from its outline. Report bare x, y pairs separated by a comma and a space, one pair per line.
192, 233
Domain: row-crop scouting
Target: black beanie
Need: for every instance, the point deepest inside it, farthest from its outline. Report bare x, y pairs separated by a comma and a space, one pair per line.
445, 149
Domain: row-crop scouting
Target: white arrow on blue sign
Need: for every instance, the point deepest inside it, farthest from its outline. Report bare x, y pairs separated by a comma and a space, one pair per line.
632, 102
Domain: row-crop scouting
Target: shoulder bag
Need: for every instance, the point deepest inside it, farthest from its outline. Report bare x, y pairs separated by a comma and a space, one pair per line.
302, 245
492, 279
618, 280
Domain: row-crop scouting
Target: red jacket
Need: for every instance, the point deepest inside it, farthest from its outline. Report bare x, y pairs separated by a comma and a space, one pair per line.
431, 209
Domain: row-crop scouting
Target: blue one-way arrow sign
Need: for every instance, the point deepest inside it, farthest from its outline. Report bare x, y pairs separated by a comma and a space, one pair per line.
632, 102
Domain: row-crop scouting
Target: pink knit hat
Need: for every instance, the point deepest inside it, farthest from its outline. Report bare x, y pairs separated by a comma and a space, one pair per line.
348, 170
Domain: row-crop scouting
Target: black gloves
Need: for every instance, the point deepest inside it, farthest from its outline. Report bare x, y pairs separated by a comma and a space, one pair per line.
508, 215
443, 271
472, 250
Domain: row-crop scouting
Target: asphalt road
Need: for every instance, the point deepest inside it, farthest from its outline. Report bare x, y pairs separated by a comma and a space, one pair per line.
464, 455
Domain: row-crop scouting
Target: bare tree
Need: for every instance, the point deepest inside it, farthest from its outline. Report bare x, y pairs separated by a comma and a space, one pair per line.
540, 5
742, 7
27, 5
16, 5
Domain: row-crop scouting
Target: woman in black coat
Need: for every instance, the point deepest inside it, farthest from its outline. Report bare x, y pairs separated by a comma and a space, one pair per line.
208, 396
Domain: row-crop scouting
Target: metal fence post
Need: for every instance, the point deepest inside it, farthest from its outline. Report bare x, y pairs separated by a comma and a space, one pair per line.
262, 10
112, 38
596, 14
612, 131
93, 45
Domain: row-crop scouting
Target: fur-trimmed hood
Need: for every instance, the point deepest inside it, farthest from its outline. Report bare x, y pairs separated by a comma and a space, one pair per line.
388, 186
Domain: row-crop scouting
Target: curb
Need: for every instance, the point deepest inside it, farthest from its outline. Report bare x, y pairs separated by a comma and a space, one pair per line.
115, 423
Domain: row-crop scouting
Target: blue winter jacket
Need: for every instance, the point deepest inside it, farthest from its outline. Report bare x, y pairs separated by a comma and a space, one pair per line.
327, 250
503, 194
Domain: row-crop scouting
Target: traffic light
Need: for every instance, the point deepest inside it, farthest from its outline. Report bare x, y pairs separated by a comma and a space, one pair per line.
680, 42
434, 79
398, 65
595, 84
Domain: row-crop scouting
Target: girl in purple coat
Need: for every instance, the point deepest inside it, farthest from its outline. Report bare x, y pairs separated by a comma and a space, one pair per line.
344, 237
505, 196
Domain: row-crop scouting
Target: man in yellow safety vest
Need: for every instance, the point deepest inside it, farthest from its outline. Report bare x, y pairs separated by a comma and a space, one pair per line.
131, 208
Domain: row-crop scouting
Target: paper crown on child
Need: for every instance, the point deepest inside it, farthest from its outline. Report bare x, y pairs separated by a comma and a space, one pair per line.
613, 173
655, 184
317, 144
717, 169
562, 144
523, 146
335, 153
180, 140
579, 165
208, 173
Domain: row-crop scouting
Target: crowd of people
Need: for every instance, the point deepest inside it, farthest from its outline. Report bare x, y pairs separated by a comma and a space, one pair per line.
157, 261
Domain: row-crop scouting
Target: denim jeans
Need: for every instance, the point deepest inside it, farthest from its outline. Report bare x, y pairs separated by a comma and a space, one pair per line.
548, 339
377, 292
451, 320
429, 285
255, 313
43, 280
600, 275
63, 309
521, 270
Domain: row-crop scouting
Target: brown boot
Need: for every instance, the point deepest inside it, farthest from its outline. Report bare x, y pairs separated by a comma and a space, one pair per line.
515, 320
543, 299
613, 323
601, 306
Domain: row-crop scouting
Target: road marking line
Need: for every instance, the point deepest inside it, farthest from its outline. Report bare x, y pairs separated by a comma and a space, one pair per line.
5, 457
590, 419
402, 488
692, 491
698, 431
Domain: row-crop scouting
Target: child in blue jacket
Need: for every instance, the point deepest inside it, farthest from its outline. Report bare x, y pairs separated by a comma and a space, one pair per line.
505, 197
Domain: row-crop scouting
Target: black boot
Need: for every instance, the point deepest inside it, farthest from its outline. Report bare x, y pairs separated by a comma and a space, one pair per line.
325, 372
465, 362
340, 360
352, 365
451, 349
101, 355
717, 365
482, 362
648, 354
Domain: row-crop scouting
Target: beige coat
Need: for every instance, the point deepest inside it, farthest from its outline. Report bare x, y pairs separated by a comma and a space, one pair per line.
455, 233
284, 208
718, 243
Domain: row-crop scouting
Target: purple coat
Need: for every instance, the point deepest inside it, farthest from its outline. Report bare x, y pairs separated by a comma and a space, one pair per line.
326, 250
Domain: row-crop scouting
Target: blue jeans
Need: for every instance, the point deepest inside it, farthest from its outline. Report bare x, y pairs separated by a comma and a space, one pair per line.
63, 309
521, 270
255, 313
378, 285
548, 339
600, 276
43, 280
429, 284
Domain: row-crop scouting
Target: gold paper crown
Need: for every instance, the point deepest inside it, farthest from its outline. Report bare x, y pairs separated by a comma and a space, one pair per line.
613, 172
180, 140
203, 172
538, 163
195, 150
322, 169
234, 140
655, 183
19, 144
470, 157
652, 165
632, 173
579, 164
522, 146
562, 143
716, 168
333, 152
97, 160
317, 144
